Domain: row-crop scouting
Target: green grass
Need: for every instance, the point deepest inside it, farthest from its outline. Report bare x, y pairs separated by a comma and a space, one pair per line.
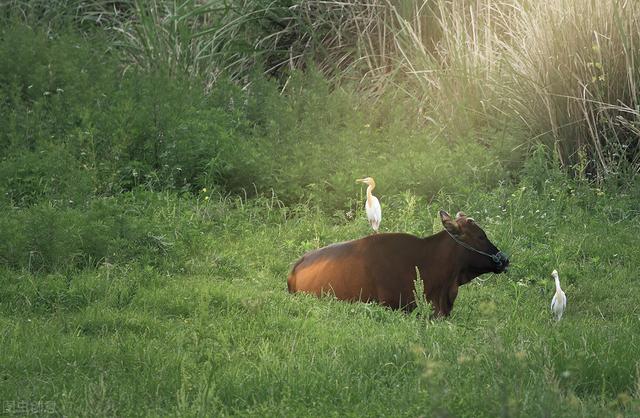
565, 73
137, 277
220, 334
76, 128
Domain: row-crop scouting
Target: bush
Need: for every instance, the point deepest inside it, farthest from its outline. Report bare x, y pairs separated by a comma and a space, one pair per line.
162, 133
119, 132
140, 227
318, 140
124, 130
52, 174
49, 85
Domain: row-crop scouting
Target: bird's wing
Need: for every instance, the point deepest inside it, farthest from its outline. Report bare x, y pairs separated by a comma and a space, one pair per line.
374, 212
377, 210
370, 212
553, 302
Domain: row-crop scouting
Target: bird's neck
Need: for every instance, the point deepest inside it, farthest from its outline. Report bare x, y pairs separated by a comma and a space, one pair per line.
558, 288
369, 195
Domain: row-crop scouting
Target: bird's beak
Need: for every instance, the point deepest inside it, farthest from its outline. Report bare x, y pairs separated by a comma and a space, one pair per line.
360, 181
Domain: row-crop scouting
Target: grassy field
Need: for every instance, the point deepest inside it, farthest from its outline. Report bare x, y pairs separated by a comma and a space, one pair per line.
214, 331
150, 219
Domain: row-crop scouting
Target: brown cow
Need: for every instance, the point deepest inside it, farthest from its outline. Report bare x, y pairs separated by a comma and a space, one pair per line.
382, 267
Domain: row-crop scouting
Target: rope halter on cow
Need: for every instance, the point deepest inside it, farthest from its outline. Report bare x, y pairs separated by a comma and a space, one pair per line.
496, 258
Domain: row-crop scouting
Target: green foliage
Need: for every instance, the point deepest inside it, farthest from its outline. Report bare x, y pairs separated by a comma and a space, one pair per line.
225, 336
139, 227
565, 75
312, 142
136, 277
55, 15
52, 174
64, 94
70, 106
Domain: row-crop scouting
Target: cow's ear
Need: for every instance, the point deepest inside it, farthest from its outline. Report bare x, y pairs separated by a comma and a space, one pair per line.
448, 223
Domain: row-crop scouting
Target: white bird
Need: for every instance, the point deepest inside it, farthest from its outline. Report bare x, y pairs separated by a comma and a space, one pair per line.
372, 207
559, 301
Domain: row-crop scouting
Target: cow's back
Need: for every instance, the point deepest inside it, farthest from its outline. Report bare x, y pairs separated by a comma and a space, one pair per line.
379, 267
337, 269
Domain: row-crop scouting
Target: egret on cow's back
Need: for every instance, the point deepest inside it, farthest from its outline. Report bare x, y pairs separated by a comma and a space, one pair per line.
372, 205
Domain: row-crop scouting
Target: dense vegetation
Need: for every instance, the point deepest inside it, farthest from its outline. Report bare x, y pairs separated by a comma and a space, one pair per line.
161, 169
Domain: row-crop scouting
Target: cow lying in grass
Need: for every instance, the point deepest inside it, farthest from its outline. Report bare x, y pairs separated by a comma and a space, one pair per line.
382, 267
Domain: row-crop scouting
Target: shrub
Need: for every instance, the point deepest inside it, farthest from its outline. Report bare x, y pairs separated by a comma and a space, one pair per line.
119, 132
51, 174
124, 130
139, 227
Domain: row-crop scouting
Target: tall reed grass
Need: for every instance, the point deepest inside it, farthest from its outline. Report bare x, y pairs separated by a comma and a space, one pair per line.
564, 71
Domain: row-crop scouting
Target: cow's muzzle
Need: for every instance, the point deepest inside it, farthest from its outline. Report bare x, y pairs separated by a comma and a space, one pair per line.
501, 261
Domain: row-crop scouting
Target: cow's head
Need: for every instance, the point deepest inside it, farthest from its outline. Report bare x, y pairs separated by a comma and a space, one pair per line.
483, 254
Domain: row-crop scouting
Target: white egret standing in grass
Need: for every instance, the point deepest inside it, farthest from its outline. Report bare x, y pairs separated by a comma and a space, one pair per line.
559, 301
372, 207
